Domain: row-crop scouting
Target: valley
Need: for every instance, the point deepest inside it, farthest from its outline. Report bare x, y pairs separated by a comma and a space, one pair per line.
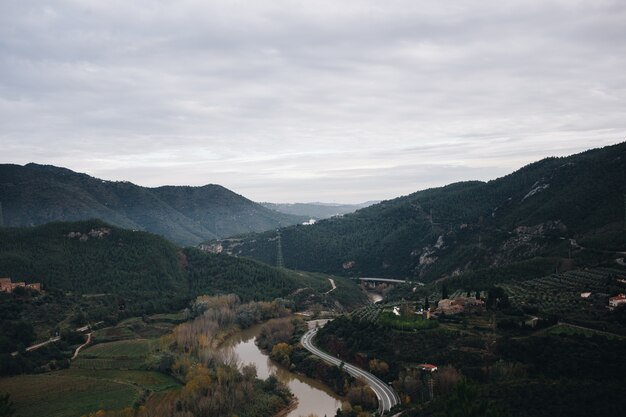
473, 295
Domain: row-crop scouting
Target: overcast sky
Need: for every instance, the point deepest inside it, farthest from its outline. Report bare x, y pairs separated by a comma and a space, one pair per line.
317, 100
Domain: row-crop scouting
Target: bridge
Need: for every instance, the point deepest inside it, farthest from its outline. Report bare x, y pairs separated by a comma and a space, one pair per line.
385, 280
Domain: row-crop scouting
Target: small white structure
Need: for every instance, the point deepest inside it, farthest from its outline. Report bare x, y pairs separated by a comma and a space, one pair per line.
396, 311
617, 301
585, 294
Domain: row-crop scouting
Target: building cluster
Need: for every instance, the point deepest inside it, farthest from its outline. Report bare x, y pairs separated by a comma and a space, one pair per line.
7, 286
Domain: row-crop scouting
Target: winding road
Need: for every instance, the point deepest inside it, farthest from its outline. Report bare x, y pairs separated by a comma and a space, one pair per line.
387, 397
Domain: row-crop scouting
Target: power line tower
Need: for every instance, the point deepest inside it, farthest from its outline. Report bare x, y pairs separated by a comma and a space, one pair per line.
280, 262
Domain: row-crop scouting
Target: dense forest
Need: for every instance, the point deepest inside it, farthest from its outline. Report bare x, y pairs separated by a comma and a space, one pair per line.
530, 214
36, 194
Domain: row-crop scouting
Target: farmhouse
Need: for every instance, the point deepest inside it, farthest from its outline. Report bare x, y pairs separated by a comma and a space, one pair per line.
617, 301
459, 305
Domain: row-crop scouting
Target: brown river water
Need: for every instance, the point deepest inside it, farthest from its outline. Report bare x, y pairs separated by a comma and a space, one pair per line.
313, 396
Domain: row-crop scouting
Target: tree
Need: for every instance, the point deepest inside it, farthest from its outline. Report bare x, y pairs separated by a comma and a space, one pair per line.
426, 304
7, 409
497, 299
280, 353
444, 292
465, 402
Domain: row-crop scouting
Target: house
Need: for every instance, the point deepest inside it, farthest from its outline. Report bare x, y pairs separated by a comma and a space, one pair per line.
585, 294
427, 371
459, 305
5, 285
617, 301
427, 367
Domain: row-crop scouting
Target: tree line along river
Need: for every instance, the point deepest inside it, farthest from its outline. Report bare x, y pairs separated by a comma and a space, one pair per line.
313, 396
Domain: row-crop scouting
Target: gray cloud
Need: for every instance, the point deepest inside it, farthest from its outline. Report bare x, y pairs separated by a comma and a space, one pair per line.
299, 100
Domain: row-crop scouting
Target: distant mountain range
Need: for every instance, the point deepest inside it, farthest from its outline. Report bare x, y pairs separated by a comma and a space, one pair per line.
549, 211
317, 210
36, 194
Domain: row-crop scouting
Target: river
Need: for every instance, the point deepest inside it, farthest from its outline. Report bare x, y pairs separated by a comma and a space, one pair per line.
313, 396
374, 297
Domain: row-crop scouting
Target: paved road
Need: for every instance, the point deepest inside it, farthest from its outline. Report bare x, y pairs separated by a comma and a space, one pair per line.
387, 397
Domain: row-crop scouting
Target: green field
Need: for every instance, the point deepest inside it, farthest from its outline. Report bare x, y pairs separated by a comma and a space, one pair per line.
120, 349
104, 376
154, 381
136, 328
123, 354
60, 395
406, 321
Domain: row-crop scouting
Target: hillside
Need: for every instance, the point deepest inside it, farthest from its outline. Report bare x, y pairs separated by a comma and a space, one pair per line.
37, 194
317, 211
104, 264
530, 214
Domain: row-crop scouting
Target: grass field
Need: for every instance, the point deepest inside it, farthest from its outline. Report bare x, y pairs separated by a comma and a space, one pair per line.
136, 328
120, 349
123, 354
154, 381
406, 322
60, 395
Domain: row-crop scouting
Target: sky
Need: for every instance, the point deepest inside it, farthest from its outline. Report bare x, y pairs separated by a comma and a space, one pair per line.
318, 100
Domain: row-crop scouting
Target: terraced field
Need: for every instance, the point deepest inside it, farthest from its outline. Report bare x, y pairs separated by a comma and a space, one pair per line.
560, 294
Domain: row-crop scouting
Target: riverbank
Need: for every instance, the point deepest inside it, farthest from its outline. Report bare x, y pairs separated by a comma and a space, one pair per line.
313, 397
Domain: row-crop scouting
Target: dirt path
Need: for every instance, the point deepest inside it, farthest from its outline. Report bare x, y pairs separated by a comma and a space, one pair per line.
332, 284
78, 349
38, 345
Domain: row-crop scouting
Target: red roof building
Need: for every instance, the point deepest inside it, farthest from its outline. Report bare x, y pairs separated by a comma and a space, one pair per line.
618, 300
427, 367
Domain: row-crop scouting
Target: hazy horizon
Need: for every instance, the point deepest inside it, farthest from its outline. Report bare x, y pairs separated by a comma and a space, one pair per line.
290, 101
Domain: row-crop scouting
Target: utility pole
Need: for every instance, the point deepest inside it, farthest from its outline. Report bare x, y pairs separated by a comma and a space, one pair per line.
279, 251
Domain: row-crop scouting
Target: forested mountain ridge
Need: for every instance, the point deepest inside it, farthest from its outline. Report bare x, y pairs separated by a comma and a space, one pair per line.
104, 271
37, 194
92, 257
531, 213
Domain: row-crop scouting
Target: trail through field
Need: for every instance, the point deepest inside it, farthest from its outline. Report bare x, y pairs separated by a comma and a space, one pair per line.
78, 349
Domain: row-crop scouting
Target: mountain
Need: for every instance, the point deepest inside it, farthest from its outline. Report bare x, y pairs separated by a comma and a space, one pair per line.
317, 211
36, 194
548, 212
92, 258
92, 272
